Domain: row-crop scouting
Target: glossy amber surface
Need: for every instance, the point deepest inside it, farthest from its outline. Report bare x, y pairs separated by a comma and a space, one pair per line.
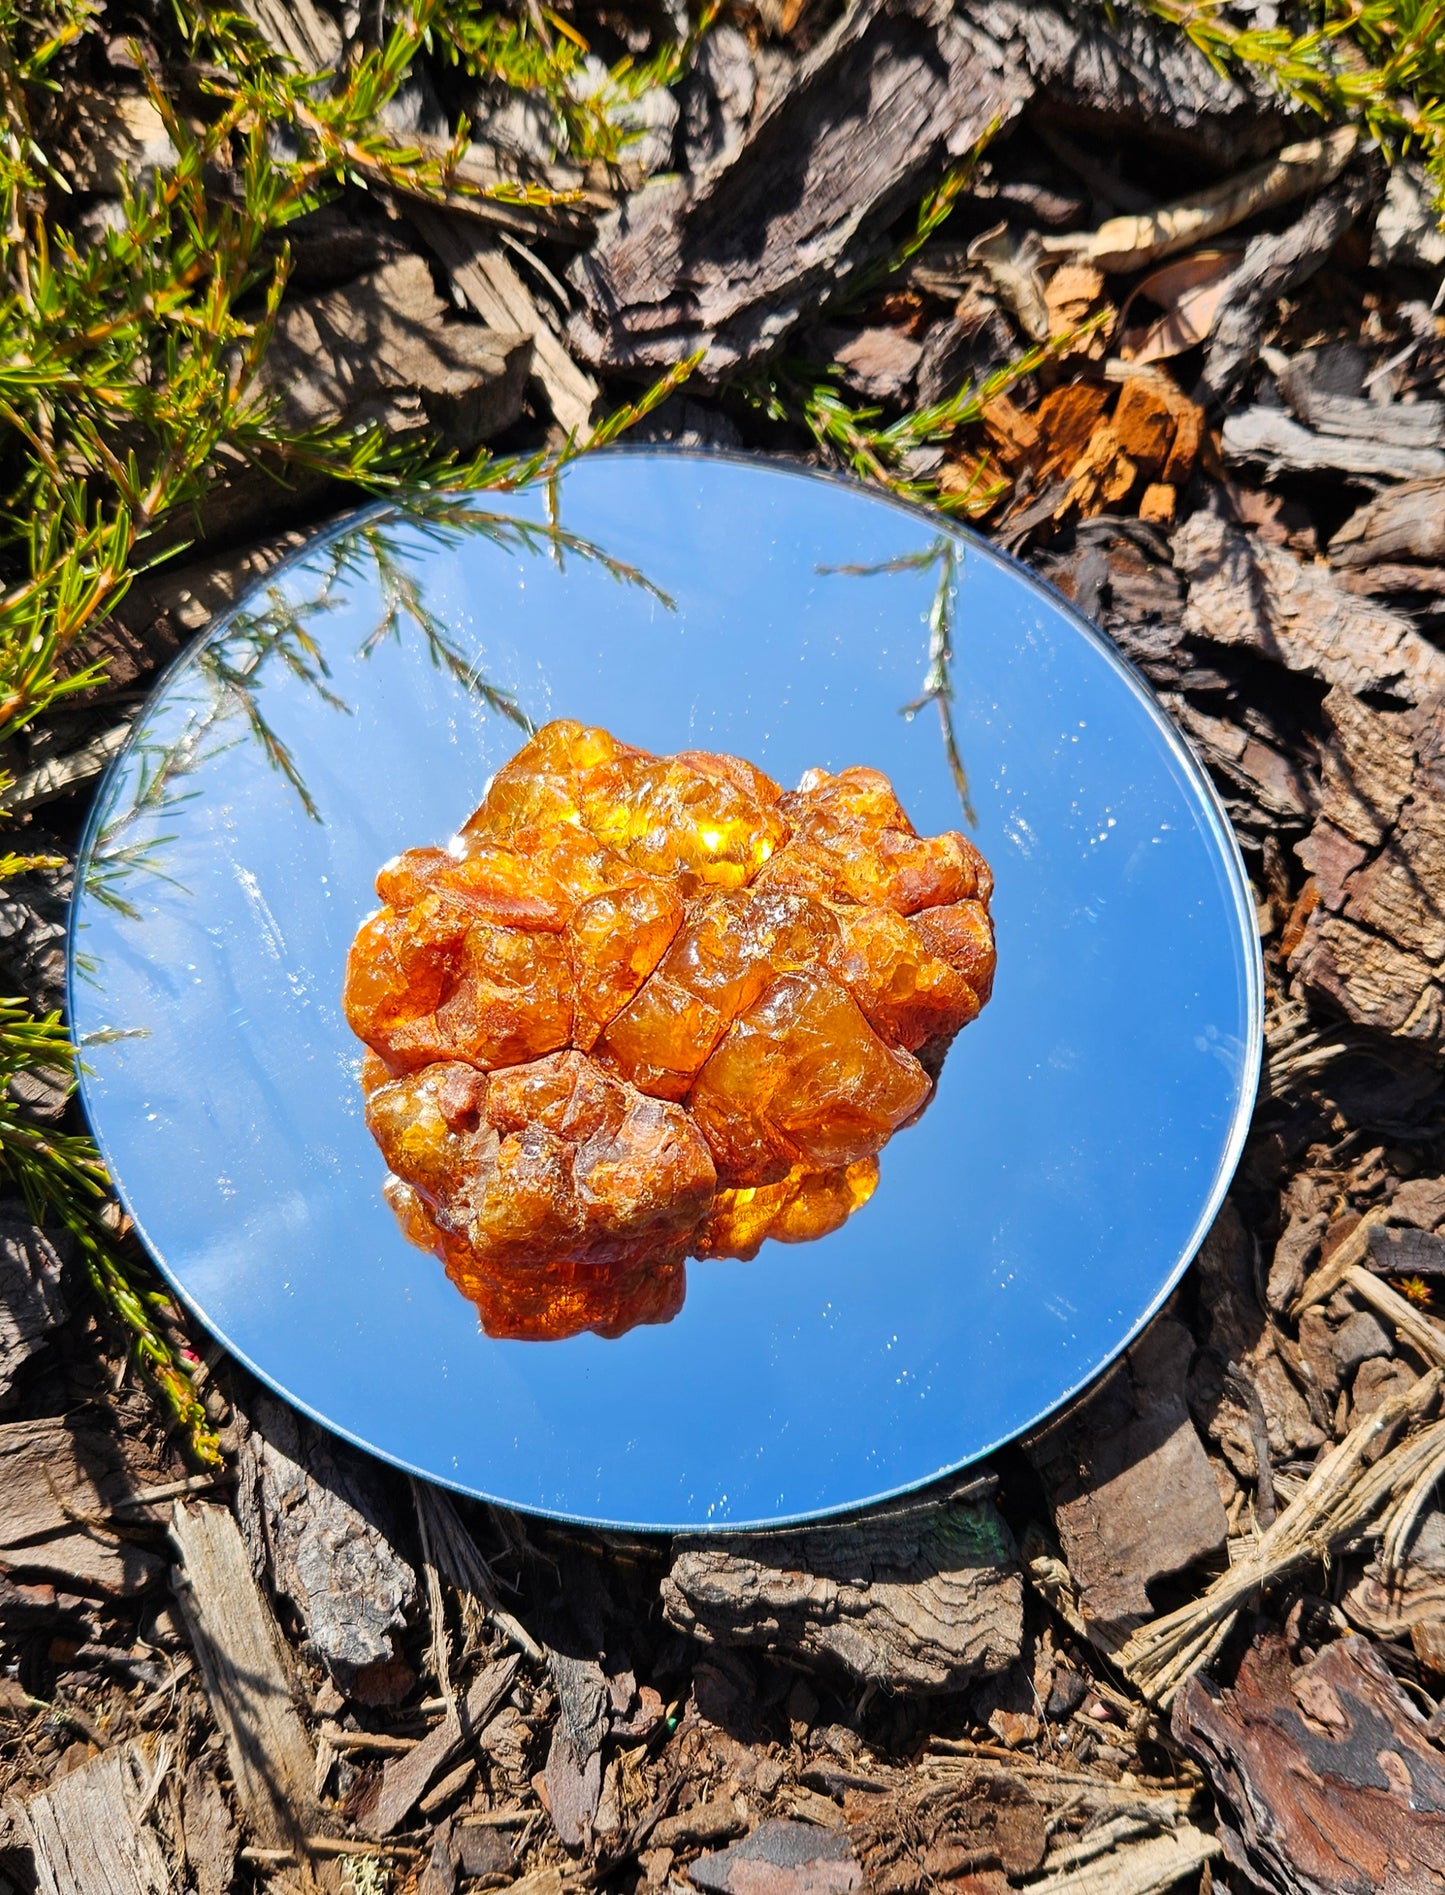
645, 1008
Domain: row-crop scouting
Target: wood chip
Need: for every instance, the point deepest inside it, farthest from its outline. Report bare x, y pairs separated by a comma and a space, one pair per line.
1013, 434
1415, 424
87, 1561
300, 30
1362, 1485
209, 1835
1409, 1601
1066, 419
380, 350
88, 1833
1149, 1867
53, 1477
1327, 1772
1101, 477
245, 1667
1157, 503
879, 363
1072, 294
713, 1821
781, 1858
406, 1779
918, 1599
570, 1784
1144, 421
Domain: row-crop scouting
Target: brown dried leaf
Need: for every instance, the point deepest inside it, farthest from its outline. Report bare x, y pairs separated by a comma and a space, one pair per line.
1189, 293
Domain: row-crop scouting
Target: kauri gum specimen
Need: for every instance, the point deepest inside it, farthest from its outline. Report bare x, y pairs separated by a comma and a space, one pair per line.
645, 1008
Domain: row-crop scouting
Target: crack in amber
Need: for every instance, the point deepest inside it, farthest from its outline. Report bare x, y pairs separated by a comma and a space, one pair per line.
645, 1008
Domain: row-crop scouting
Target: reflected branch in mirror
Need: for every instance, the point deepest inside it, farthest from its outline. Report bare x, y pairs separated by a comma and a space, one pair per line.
947, 554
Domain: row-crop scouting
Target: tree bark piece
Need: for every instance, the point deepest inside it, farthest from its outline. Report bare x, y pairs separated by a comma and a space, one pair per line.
919, 1600
1414, 424
1332, 1784
32, 1302
314, 1511
1128, 74
380, 351
571, 1781
781, 1858
886, 97
88, 1833
1273, 265
1408, 1602
475, 262
86, 1561
1243, 592
1406, 523
244, 1665
1272, 439
1133, 1495
1406, 1253
406, 1779
1374, 944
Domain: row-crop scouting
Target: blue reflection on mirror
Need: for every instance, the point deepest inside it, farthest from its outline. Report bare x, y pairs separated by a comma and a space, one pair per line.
357, 703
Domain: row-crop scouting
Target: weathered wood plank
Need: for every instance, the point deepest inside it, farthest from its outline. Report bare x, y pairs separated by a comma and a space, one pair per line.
1270, 438
244, 1665
88, 1833
1406, 523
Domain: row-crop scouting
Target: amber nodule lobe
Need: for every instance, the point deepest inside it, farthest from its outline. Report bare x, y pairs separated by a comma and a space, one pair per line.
646, 1008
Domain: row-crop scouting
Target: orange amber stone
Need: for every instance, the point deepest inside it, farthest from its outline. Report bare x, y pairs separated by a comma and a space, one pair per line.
645, 1008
